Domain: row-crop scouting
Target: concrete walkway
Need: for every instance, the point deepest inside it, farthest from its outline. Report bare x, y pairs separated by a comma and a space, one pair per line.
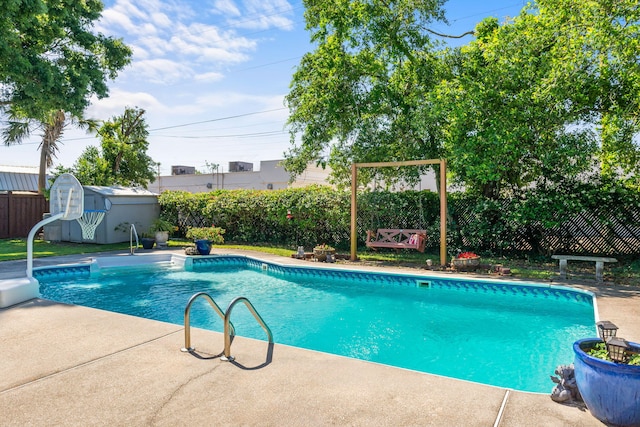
71, 365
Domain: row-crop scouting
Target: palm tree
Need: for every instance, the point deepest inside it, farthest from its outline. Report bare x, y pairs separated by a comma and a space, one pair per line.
52, 126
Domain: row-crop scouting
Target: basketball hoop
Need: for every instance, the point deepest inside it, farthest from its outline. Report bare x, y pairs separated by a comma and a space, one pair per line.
89, 221
66, 203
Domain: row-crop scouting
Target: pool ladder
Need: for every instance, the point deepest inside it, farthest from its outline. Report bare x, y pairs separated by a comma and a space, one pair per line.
229, 330
132, 233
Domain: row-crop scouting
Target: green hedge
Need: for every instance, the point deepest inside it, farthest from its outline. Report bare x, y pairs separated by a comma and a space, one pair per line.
320, 214
533, 221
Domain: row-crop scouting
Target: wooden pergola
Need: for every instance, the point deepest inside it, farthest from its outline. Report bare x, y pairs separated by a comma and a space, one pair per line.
443, 200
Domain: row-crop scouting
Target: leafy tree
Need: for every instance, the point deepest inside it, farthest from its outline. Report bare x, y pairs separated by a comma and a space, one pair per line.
93, 169
359, 96
51, 64
540, 98
52, 127
597, 63
51, 60
536, 100
122, 158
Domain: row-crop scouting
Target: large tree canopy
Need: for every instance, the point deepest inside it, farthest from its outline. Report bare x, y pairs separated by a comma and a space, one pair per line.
359, 94
542, 97
50, 60
536, 99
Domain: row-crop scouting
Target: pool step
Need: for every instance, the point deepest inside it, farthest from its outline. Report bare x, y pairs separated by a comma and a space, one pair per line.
15, 291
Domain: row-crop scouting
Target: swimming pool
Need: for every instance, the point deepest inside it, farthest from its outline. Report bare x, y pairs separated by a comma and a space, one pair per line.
494, 333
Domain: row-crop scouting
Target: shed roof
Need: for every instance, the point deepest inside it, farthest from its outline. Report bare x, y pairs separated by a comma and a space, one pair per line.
18, 178
119, 191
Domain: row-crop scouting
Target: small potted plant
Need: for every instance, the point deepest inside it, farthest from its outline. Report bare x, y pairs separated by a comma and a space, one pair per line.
161, 228
320, 252
204, 237
465, 261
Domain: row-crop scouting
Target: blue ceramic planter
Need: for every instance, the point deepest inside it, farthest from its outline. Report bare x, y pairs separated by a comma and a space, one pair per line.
610, 390
203, 247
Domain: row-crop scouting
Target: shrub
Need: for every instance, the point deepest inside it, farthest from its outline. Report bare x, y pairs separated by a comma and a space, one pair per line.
212, 234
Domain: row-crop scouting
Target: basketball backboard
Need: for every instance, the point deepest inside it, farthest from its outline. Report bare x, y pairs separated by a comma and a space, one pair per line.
67, 197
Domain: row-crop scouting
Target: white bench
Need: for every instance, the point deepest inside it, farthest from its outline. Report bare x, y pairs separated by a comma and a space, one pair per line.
598, 260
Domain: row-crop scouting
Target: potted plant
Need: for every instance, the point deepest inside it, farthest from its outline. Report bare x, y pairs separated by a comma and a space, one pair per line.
204, 237
465, 261
320, 252
161, 228
609, 389
147, 241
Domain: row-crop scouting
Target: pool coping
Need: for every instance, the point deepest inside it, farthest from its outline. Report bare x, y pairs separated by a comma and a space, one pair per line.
298, 386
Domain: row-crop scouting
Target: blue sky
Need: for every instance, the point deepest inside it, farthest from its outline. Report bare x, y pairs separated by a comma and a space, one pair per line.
212, 76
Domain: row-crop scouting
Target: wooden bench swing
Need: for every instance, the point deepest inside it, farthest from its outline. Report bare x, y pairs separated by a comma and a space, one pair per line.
396, 239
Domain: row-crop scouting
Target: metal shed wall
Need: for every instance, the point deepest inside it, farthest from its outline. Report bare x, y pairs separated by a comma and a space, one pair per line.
124, 207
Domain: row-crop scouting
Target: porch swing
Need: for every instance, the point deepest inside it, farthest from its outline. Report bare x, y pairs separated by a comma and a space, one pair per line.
395, 238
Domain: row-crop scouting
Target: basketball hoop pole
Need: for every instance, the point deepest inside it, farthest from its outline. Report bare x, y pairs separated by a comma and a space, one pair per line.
30, 238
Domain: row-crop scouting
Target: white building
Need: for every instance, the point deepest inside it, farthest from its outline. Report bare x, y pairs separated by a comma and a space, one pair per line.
271, 176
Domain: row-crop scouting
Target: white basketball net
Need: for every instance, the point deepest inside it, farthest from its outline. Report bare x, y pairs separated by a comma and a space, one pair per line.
89, 221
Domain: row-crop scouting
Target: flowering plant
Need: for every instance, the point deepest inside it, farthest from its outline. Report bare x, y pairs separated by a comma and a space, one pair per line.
324, 247
212, 234
466, 255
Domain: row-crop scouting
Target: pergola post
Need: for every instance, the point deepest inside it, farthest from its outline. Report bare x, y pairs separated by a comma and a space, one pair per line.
354, 212
443, 212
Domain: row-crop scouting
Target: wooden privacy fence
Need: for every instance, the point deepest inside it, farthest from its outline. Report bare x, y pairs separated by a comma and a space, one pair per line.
19, 212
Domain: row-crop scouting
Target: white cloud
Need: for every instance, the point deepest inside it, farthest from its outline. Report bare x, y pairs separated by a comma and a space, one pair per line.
161, 20
208, 77
204, 43
265, 14
226, 7
171, 41
154, 47
161, 71
118, 100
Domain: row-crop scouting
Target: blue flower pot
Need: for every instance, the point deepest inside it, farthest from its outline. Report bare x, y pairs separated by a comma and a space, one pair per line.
203, 247
610, 390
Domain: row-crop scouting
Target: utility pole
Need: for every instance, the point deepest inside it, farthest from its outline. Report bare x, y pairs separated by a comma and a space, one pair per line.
159, 180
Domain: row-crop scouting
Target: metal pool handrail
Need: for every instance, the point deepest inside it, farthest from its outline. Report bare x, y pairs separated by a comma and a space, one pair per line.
227, 325
133, 232
187, 319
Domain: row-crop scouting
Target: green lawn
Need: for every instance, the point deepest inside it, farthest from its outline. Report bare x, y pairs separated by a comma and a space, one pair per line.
12, 249
625, 272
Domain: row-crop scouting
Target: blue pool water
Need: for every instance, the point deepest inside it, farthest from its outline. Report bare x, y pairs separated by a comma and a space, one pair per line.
512, 337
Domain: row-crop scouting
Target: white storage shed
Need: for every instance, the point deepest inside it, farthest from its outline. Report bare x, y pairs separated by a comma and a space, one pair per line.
122, 207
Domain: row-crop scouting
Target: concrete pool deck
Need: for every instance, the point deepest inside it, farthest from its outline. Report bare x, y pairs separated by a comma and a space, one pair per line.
71, 365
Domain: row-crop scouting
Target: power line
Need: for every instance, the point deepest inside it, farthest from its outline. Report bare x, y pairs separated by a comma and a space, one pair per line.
240, 135
219, 119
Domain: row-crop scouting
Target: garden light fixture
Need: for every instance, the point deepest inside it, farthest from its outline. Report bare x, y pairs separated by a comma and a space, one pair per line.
617, 348
606, 330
